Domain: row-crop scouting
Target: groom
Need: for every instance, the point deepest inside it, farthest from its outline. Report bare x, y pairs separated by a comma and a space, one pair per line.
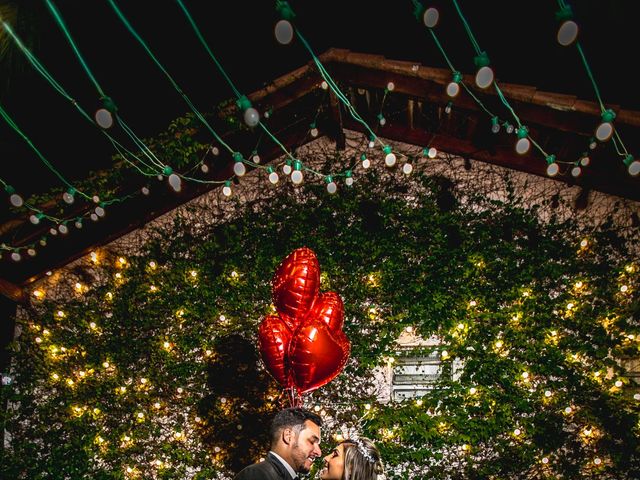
295, 444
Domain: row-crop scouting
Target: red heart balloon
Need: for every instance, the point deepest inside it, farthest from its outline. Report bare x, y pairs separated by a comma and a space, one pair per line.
328, 308
295, 286
317, 355
274, 338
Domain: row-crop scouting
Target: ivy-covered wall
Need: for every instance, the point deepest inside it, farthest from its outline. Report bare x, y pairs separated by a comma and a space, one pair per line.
146, 365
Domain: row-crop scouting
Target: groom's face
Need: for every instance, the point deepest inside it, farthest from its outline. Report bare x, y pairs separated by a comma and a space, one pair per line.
305, 447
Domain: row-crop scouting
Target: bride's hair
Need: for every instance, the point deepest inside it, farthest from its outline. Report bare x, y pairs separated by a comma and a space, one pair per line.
361, 459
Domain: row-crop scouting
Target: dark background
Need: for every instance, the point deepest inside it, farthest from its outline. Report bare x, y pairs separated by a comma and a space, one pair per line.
519, 37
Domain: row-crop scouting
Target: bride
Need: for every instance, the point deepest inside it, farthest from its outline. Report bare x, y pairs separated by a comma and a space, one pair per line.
353, 459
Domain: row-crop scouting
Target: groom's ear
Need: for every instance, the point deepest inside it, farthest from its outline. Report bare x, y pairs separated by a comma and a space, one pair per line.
287, 436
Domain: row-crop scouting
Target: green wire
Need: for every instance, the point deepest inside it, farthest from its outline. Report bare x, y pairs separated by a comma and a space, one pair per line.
171, 80
15, 127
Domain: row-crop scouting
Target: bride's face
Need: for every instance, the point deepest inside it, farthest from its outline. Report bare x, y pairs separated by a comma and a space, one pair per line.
333, 465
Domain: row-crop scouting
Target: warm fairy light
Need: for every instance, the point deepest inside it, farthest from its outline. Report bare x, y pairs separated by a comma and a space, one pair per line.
584, 243
46, 332
526, 293
578, 284
156, 405
596, 373
499, 344
525, 375
419, 402
153, 288
143, 380
618, 383
60, 314
180, 313
587, 432
234, 274
570, 306
38, 293
140, 415
38, 340
105, 364
55, 376
92, 325
166, 345
367, 406
179, 390
109, 296
597, 461
70, 382
545, 460
444, 355
193, 273
121, 261
473, 303
461, 326
79, 287
94, 257
568, 410
466, 447
473, 390
123, 389
197, 419
547, 393
517, 432
624, 288
82, 373
630, 268
177, 434
152, 264
118, 275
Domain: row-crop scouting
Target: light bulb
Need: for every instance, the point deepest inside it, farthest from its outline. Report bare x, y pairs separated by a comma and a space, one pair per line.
205, 168
273, 177
407, 168
255, 158
284, 32
585, 160
15, 256
239, 169
509, 128
348, 181
215, 151
96, 199
576, 171
495, 125
552, 169
63, 229
391, 86
523, 145
251, 117
432, 152
634, 168
382, 120
332, 187
226, 190
103, 118
372, 144
366, 163
78, 223
567, 33
297, 177
31, 252
175, 182
145, 190
100, 211
314, 132
453, 89
447, 109
431, 17
16, 200
390, 159
324, 85
53, 231
287, 169
68, 197
484, 77
34, 219
604, 131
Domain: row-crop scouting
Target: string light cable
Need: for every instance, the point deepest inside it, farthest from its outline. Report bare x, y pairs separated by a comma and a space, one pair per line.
567, 35
237, 156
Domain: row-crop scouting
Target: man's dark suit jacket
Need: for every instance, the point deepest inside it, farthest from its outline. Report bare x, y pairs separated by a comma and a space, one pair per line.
270, 469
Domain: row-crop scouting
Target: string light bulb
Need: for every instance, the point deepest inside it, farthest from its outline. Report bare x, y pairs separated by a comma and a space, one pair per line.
568, 31
283, 29
495, 124
633, 166
175, 182
523, 144
69, 196
576, 171
605, 129
286, 169
552, 166
381, 119
226, 190
331, 185
484, 75
103, 118
454, 86
390, 157
273, 175
348, 178
366, 163
14, 198
296, 176
313, 130
407, 168
35, 218
238, 166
